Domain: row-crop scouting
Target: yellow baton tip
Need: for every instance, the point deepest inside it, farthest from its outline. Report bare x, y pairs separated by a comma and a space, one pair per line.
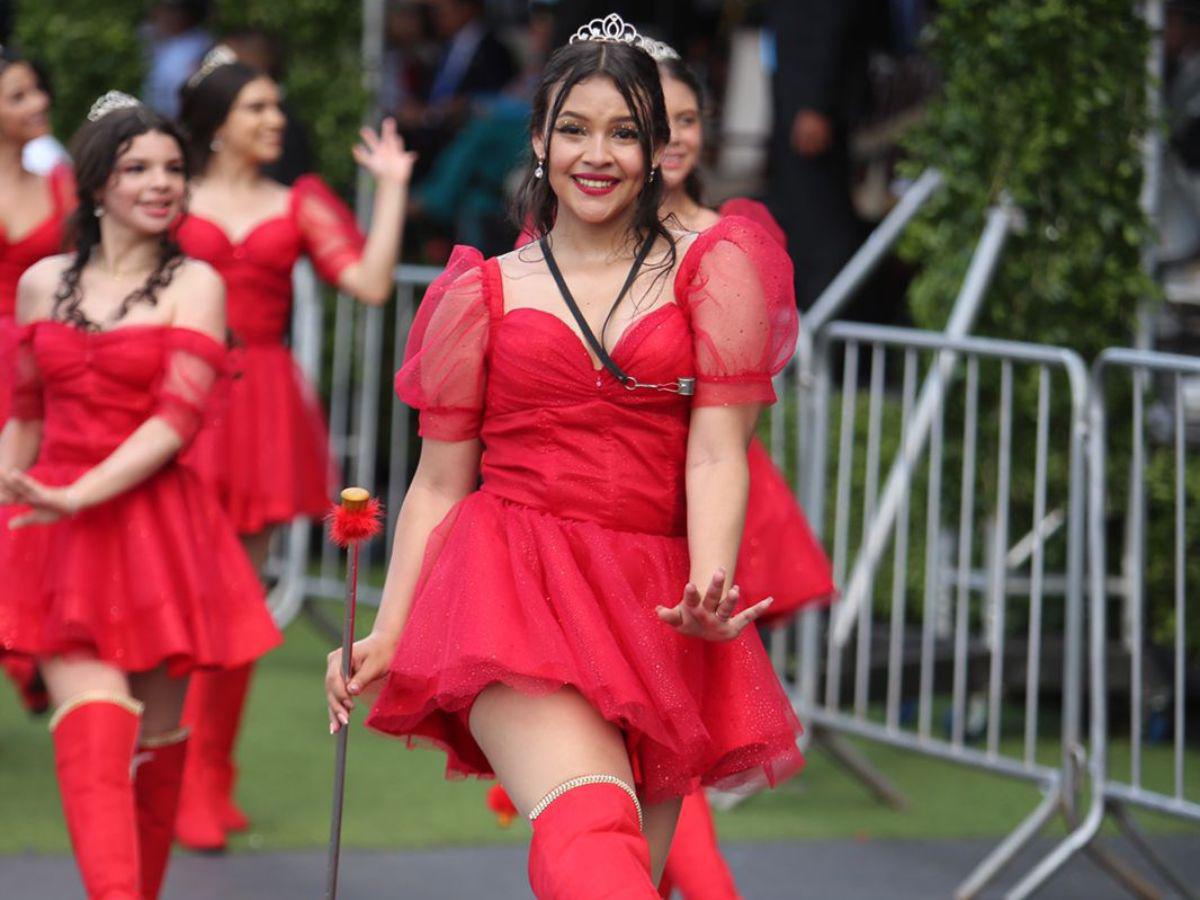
355, 498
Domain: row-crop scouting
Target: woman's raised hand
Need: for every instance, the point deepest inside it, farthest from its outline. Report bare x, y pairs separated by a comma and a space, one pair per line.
711, 616
47, 504
383, 154
369, 661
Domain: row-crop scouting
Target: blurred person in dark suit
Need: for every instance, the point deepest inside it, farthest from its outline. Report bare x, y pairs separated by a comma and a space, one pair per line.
819, 86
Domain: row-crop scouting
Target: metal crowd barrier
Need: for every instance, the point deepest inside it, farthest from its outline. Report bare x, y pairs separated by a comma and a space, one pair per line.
952, 666
354, 370
1113, 792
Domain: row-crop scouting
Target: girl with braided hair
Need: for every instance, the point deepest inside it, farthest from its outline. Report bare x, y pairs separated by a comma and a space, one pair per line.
122, 575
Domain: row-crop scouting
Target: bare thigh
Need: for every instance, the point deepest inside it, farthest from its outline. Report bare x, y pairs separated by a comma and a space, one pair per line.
68, 677
537, 743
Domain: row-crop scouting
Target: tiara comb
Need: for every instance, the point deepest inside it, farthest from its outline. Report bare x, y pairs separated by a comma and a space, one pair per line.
111, 102
660, 51
220, 55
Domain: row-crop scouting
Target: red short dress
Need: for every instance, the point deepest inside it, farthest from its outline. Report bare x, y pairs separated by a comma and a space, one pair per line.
266, 449
156, 574
16, 256
550, 573
779, 557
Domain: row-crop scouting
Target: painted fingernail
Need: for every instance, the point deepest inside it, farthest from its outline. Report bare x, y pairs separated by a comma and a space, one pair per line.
343, 718
353, 688
332, 727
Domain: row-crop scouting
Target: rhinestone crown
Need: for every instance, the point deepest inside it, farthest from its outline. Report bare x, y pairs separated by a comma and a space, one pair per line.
111, 102
220, 55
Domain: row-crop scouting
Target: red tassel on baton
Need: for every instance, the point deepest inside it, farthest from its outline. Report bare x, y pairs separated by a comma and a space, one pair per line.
357, 519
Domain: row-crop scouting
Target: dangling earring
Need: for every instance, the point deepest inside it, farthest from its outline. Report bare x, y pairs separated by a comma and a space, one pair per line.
539, 171
99, 210
650, 180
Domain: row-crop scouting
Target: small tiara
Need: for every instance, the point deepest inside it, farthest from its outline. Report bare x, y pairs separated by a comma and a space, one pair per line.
660, 51
612, 28
111, 102
220, 55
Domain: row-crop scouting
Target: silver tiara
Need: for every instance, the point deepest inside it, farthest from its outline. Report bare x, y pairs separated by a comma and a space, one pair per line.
611, 28
220, 55
111, 102
660, 51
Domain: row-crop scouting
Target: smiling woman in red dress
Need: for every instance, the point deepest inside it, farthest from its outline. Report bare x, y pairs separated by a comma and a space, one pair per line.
32, 211
121, 573
266, 452
568, 626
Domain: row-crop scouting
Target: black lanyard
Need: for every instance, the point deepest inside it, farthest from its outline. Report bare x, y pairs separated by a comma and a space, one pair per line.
685, 386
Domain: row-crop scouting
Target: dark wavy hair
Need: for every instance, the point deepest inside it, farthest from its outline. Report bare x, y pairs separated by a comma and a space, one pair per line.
204, 106
95, 149
635, 76
678, 70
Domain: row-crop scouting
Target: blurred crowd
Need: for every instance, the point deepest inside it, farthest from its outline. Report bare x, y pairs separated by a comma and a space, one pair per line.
807, 101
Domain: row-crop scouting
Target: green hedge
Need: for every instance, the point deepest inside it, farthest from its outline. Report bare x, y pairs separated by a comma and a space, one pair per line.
1044, 101
90, 46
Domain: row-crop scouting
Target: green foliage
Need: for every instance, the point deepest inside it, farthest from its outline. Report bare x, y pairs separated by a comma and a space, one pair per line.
1044, 101
87, 46
90, 46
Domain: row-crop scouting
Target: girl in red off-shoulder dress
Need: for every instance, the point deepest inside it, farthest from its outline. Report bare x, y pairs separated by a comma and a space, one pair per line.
32, 211
121, 573
533, 628
266, 451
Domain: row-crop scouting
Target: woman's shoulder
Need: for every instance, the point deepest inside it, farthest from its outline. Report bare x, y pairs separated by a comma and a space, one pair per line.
38, 284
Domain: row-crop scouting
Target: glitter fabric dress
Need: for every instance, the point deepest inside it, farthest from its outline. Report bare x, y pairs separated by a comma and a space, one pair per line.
549, 574
156, 574
266, 449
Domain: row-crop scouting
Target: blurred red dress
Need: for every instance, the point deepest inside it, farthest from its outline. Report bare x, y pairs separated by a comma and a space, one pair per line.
154, 575
779, 556
266, 450
44, 240
16, 256
550, 573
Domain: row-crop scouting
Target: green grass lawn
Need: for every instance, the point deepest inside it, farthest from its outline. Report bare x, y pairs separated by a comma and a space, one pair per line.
397, 798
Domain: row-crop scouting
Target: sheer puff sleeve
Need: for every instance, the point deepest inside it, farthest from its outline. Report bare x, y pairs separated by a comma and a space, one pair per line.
735, 283
331, 236
26, 379
444, 371
194, 362
758, 214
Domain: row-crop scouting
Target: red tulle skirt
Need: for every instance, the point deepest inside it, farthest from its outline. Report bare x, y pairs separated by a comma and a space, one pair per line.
779, 555
153, 576
265, 450
513, 595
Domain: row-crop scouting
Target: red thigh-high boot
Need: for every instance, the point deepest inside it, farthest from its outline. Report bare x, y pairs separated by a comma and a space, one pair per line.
213, 715
157, 776
695, 866
94, 738
588, 843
